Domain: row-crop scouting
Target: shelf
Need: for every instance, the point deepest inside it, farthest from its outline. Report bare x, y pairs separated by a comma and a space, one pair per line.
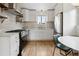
2, 17
3, 6
15, 12
11, 10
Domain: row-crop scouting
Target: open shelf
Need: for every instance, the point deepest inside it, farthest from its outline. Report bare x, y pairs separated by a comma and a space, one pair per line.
3, 6
15, 12
2, 17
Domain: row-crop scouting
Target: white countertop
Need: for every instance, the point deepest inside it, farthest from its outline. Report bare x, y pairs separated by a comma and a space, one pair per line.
70, 41
6, 34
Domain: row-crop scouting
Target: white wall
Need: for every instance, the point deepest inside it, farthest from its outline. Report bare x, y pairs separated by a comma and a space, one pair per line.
69, 19
41, 34
58, 8
30, 15
35, 32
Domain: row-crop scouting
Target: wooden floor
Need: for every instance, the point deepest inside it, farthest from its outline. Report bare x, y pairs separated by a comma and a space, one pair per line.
40, 48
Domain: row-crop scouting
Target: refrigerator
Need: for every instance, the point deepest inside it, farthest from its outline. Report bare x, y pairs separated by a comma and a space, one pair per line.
58, 24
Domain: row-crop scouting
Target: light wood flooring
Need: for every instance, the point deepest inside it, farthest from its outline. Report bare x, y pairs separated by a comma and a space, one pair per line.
40, 48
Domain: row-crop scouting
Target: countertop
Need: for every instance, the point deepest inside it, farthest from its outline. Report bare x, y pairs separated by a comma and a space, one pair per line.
16, 30
10, 32
7, 34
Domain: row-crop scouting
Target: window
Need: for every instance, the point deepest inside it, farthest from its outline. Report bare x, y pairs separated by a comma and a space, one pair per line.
41, 19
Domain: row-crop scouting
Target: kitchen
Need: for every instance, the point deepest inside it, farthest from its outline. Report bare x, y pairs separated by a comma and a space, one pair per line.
18, 22
28, 29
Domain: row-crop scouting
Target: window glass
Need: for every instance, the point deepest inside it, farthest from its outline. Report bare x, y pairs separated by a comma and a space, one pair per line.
41, 19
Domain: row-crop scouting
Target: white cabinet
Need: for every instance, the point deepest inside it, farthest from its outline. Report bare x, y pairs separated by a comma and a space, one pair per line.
9, 45
14, 45
4, 46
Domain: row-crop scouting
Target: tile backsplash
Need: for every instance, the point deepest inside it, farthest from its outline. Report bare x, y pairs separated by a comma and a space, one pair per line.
39, 26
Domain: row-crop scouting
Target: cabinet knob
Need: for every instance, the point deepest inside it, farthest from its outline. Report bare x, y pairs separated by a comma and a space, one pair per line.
16, 41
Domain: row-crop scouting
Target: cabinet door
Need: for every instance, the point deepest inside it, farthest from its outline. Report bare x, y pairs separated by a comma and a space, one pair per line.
14, 45
4, 46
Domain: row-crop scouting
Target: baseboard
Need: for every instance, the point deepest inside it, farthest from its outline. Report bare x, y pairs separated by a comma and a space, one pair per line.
30, 39
40, 40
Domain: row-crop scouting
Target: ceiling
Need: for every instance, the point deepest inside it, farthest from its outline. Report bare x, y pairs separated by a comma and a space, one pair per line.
38, 6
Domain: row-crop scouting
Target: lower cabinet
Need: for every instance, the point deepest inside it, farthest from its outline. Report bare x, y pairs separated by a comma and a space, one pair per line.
4, 46
9, 46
